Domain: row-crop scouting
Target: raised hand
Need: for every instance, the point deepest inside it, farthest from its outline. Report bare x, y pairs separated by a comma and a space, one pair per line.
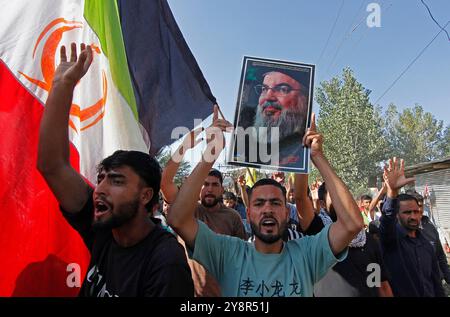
289, 184
70, 72
313, 139
279, 177
315, 190
241, 181
383, 188
394, 177
215, 137
222, 124
191, 140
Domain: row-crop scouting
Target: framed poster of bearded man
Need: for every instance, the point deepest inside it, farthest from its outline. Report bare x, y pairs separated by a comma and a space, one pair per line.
272, 114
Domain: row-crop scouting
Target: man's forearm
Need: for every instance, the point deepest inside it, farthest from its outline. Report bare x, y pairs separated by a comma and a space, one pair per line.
304, 205
347, 211
185, 203
174, 162
183, 208
168, 187
53, 149
316, 206
375, 201
181, 215
182, 212
244, 195
388, 221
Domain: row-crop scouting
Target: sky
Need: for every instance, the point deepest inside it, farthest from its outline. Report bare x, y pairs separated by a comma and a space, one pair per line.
220, 33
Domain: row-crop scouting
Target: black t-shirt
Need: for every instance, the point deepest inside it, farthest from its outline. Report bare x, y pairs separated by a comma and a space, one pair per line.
156, 266
315, 226
349, 277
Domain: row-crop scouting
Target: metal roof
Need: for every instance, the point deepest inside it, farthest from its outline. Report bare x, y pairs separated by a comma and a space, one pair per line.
428, 167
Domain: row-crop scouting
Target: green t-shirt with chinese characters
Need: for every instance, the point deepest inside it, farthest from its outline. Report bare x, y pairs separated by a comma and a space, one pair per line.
244, 272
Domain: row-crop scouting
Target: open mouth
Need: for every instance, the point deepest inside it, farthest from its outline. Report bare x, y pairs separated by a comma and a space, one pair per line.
100, 208
270, 111
268, 223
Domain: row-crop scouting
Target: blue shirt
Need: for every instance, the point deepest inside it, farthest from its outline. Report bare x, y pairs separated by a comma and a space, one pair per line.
411, 262
240, 208
293, 212
242, 271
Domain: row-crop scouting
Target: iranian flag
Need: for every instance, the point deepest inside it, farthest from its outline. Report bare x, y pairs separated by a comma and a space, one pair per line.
142, 75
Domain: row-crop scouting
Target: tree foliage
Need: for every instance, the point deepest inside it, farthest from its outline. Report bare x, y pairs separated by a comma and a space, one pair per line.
183, 171
415, 135
359, 136
352, 128
446, 143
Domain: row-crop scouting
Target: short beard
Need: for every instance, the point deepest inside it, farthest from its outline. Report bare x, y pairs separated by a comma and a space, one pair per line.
215, 202
288, 123
412, 227
269, 238
409, 227
124, 213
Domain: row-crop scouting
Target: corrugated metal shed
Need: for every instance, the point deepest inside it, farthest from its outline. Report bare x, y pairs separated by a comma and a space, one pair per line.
436, 176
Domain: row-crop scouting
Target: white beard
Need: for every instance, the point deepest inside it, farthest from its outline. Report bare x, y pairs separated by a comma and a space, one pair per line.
288, 123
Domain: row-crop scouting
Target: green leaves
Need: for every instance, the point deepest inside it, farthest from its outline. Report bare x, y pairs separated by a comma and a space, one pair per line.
415, 135
446, 143
359, 136
354, 141
183, 170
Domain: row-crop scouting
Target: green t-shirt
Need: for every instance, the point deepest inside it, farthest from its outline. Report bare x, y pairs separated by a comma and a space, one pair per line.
243, 271
365, 218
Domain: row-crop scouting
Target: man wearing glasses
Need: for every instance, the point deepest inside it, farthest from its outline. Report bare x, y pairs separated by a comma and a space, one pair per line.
282, 104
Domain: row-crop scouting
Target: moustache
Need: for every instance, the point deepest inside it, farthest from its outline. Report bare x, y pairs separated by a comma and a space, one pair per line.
268, 218
273, 104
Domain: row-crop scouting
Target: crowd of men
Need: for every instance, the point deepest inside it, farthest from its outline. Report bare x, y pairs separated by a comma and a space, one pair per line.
149, 237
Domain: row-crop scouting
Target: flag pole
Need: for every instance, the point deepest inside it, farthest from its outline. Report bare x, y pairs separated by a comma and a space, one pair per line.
251, 176
220, 111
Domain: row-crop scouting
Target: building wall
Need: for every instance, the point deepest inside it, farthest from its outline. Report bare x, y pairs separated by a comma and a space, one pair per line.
439, 188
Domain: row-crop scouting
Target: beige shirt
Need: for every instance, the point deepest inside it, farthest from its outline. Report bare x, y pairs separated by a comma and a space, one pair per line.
224, 221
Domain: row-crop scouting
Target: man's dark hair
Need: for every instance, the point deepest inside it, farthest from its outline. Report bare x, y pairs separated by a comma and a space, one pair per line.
365, 197
407, 197
267, 181
144, 165
322, 191
217, 174
418, 196
229, 196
